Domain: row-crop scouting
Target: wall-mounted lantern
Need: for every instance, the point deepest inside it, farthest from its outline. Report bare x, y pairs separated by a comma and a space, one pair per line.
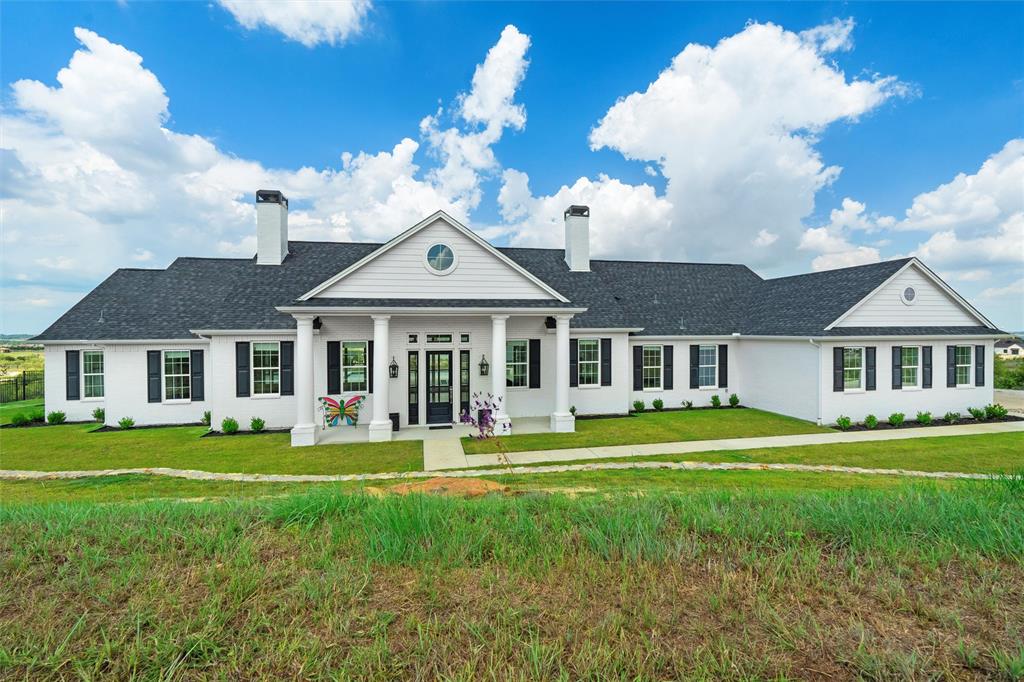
484, 367
393, 368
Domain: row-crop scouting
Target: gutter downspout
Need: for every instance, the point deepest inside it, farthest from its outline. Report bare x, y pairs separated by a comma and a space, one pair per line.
818, 382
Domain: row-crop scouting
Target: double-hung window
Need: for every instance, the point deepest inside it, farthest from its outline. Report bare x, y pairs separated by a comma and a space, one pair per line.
707, 367
266, 368
92, 374
517, 356
177, 377
963, 365
353, 366
853, 368
589, 362
910, 363
652, 368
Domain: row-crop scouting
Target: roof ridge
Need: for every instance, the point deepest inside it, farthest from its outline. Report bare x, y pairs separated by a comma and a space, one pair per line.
846, 269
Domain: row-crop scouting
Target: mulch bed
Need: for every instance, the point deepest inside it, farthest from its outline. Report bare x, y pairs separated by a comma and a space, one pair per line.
43, 423
913, 424
218, 434
108, 429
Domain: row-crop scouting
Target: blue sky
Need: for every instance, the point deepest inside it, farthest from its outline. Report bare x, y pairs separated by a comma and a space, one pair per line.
790, 137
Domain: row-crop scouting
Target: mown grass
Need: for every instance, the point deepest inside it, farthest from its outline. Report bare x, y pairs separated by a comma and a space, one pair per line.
654, 427
73, 447
920, 581
26, 407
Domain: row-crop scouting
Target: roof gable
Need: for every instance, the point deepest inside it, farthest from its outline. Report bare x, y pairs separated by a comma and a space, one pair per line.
398, 269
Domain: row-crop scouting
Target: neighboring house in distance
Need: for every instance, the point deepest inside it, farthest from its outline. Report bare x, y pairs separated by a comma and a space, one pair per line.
1009, 348
419, 324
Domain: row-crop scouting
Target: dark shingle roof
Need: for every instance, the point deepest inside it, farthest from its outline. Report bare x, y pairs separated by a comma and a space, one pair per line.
686, 299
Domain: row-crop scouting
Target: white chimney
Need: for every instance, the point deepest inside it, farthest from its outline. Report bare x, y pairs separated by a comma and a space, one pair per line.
271, 227
577, 238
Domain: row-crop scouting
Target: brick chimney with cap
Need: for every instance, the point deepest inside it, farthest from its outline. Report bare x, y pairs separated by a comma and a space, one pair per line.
577, 238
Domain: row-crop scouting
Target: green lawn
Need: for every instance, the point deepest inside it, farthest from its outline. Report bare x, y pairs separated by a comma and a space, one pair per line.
57, 448
8, 410
654, 427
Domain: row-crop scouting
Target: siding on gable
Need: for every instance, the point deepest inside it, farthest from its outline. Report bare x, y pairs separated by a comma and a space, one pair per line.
933, 306
402, 272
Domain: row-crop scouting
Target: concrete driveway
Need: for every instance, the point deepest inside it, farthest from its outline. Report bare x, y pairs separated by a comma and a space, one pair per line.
1011, 400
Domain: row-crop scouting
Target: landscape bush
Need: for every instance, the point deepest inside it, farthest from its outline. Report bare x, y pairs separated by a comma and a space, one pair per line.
995, 411
734, 400
207, 418
924, 418
126, 422
978, 413
716, 401
896, 419
871, 421
20, 419
687, 404
572, 410
658, 404
843, 422
256, 424
638, 406
229, 425
56, 417
951, 417
99, 414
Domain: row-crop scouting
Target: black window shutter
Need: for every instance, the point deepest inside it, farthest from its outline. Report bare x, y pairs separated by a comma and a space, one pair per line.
951, 366
979, 365
723, 365
926, 366
870, 364
606, 362
694, 362
153, 376
837, 369
534, 366
669, 369
638, 368
72, 374
195, 363
369, 367
897, 367
287, 368
574, 362
333, 367
242, 369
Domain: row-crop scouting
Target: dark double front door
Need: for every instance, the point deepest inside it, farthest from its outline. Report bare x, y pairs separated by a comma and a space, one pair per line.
439, 387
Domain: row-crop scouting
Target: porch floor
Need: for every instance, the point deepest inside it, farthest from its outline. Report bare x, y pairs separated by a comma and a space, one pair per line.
361, 433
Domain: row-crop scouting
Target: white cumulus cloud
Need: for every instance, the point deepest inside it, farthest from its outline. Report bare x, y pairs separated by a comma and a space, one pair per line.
309, 22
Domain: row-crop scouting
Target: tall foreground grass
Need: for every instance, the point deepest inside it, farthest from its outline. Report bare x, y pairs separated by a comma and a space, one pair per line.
926, 580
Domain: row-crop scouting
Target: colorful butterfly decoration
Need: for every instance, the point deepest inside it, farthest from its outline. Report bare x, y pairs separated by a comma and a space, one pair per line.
333, 410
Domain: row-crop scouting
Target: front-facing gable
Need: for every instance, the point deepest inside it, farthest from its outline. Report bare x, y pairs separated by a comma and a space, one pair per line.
399, 270
913, 296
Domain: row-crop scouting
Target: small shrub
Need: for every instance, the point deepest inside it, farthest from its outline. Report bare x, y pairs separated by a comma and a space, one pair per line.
99, 414
126, 422
572, 410
977, 412
658, 404
687, 404
207, 418
716, 401
951, 417
896, 419
56, 417
256, 424
638, 406
734, 400
843, 422
924, 418
871, 421
20, 419
995, 411
36, 415
229, 425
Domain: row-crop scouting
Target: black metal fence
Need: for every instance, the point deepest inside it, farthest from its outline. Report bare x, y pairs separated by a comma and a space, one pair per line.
26, 386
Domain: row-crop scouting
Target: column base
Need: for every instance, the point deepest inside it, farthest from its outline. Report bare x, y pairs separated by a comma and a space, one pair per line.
380, 431
502, 425
303, 435
563, 422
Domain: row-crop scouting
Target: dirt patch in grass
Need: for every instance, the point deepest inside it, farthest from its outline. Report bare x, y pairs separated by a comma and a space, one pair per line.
453, 487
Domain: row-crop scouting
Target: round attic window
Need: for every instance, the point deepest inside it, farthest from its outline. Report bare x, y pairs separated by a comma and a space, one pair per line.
909, 295
440, 259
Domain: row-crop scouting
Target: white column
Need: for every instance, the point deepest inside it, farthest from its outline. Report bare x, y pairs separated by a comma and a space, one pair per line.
380, 426
561, 419
304, 431
503, 424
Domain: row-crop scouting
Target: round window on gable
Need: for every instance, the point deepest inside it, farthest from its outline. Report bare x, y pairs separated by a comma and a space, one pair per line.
909, 295
440, 259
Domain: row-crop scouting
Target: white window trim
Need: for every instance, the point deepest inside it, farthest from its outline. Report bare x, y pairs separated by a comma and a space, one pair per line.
163, 377
94, 399
447, 271
661, 367
252, 372
714, 385
469, 338
427, 343
579, 363
863, 369
911, 387
970, 367
366, 366
525, 363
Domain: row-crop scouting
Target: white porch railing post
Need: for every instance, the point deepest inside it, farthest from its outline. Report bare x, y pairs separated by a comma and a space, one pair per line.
502, 423
561, 419
380, 426
304, 431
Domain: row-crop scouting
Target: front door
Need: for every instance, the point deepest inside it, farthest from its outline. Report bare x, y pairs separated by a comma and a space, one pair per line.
439, 387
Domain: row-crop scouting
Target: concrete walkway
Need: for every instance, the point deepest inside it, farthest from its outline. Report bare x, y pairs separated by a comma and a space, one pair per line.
448, 454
